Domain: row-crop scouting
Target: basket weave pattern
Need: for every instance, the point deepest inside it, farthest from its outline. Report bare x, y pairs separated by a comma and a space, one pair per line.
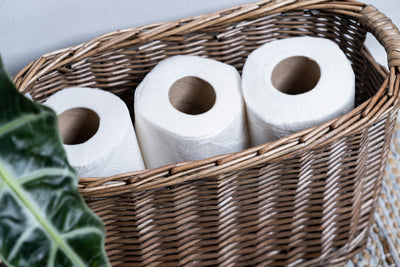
307, 199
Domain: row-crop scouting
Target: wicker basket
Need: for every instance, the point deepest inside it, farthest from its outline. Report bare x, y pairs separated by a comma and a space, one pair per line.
304, 200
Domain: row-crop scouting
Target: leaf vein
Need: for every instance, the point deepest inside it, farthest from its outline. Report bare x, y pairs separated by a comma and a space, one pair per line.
27, 202
52, 256
20, 122
20, 241
45, 172
80, 231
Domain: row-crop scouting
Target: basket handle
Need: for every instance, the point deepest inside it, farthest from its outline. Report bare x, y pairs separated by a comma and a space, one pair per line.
385, 32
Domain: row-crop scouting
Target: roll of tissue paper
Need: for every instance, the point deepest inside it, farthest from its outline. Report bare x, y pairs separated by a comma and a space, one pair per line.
293, 84
97, 132
189, 108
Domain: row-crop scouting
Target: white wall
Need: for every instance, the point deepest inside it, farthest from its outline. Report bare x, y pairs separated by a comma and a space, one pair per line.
30, 28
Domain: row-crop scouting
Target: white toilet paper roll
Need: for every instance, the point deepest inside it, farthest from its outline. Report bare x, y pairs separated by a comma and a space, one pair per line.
189, 108
97, 132
293, 84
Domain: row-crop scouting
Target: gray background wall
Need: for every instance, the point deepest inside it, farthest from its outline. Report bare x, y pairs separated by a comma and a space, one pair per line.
30, 28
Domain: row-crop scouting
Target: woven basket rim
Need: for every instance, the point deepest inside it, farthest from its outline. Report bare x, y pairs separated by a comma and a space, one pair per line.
367, 113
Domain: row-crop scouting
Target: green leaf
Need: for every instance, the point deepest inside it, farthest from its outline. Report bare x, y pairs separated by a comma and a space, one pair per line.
44, 221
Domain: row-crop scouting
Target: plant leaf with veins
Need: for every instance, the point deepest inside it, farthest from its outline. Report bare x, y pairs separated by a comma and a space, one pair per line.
44, 221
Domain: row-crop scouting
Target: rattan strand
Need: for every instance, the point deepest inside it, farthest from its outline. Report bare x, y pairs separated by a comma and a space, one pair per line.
383, 246
307, 199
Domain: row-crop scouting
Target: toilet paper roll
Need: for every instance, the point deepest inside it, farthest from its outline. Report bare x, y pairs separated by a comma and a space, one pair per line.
189, 108
97, 132
293, 84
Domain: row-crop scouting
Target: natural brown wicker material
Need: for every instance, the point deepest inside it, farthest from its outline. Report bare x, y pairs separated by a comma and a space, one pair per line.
383, 246
307, 199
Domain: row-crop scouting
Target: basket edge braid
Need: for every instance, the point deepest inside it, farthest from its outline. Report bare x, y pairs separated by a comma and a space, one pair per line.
385, 31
